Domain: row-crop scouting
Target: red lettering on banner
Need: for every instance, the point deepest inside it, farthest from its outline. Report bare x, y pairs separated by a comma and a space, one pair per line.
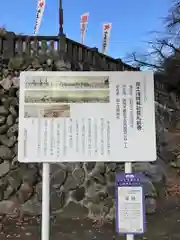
41, 4
84, 18
106, 27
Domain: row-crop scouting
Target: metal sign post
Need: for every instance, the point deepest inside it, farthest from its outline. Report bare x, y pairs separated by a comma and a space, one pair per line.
45, 221
128, 169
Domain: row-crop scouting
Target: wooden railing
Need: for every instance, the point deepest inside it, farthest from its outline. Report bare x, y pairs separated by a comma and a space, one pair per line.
56, 48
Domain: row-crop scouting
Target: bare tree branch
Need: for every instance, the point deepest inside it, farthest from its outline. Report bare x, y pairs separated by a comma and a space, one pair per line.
163, 52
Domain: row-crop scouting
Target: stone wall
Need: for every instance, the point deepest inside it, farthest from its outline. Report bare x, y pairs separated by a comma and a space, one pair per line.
76, 188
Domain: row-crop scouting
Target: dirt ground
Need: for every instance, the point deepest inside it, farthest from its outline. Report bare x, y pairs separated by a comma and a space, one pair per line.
165, 224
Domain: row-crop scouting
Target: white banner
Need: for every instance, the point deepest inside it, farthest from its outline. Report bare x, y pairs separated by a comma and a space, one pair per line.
39, 15
86, 116
106, 37
83, 26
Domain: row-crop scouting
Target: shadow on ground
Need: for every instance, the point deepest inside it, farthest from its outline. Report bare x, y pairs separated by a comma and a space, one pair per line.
163, 225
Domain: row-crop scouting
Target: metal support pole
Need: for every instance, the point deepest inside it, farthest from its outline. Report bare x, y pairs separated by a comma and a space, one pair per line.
128, 169
61, 32
45, 202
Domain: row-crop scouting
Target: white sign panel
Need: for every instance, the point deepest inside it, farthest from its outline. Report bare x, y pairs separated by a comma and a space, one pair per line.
130, 209
86, 116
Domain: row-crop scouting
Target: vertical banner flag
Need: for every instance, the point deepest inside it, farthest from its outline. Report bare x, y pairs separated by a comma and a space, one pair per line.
106, 36
83, 26
39, 15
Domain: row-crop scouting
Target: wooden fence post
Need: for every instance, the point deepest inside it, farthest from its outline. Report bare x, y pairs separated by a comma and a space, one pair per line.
8, 45
62, 46
120, 65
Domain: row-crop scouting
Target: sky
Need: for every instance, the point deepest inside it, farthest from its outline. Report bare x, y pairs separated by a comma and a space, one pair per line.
132, 21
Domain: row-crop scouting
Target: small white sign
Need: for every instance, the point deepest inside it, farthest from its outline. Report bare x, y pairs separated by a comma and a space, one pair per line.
130, 210
86, 116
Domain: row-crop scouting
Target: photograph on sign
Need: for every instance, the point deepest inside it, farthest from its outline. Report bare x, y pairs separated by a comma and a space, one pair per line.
86, 116
47, 111
67, 82
78, 96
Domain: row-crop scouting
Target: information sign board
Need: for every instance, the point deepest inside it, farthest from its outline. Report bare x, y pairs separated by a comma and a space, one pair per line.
86, 116
130, 208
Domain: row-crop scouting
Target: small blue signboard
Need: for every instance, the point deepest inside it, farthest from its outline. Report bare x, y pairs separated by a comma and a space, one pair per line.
130, 204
